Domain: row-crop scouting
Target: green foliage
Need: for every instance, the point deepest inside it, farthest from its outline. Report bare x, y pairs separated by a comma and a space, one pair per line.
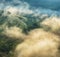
7, 45
26, 23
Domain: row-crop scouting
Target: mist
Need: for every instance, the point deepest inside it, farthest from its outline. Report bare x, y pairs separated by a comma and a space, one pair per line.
30, 28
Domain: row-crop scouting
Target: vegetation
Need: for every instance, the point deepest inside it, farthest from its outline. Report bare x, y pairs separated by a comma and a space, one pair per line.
25, 22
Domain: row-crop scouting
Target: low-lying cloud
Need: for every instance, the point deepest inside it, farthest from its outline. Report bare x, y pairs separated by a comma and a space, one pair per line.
42, 42
39, 44
14, 32
52, 24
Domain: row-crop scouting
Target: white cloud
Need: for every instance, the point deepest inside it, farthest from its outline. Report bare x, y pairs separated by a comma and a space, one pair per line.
53, 23
12, 10
14, 32
23, 8
39, 43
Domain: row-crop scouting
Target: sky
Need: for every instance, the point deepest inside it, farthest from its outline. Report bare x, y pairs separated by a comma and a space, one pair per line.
44, 6
20, 15
51, 4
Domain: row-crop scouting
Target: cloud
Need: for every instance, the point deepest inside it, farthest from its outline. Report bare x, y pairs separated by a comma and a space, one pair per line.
11, 10
52, 24
23, 7
39, 44
14, 32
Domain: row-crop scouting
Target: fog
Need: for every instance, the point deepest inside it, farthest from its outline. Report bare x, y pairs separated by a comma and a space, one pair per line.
36, 22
